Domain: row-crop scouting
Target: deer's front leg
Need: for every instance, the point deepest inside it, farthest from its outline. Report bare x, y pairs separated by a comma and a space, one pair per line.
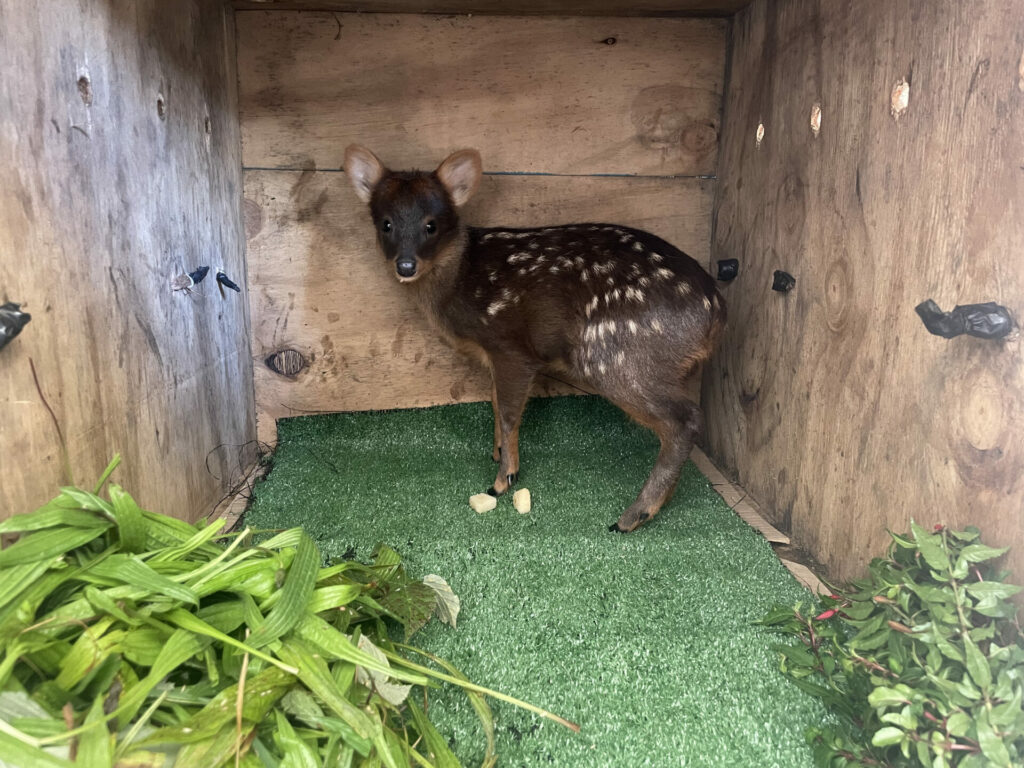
512, 381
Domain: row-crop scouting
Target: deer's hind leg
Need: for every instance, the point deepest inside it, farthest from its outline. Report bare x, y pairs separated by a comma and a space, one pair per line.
677, 423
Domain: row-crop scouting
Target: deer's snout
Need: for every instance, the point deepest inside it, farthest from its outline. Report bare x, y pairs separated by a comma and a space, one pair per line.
405, 266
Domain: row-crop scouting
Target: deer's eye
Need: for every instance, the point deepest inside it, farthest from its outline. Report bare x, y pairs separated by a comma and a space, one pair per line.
385, 226
431, 227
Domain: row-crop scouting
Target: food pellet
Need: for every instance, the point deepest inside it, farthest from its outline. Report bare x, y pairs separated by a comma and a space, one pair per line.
482, 502
521, 500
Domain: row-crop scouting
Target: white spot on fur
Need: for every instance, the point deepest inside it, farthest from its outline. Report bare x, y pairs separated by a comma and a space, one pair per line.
522, 271
492, 275
586, 369
486, 237
591, 306
601, 367
625, 238
643, 282
620, 358
603, 268
664, 274
534, 245
479, 292
707, 304
684, 289
518, 257
656, 257
656, 325
580, 263
633, 327
610, 280
590, 334
638, 246
496, 307
505, 235
634, 294
585, 276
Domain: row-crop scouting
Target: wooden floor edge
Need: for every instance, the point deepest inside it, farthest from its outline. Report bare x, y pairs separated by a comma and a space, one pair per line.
737, 499
233, 506
748, 511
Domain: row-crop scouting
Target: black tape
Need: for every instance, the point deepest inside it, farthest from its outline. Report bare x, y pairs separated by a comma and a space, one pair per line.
227, 282
728, 269
12, 320
783, 281
983, 321
199, 274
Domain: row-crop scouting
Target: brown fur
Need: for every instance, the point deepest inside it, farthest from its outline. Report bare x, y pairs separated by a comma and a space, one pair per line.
612, 309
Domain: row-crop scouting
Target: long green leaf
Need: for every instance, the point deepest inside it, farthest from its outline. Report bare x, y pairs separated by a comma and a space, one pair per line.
96, 747
128, 569
440, 752
48, 544
192, 623
295, 594
315, 675
131, 525
28, 756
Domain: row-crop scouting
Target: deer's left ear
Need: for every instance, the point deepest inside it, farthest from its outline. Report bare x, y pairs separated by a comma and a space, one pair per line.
460, 173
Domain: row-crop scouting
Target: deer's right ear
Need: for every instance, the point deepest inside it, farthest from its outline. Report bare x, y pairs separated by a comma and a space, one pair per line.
364, 170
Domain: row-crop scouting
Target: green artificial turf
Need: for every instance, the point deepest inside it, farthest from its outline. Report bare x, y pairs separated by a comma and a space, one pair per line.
644, 639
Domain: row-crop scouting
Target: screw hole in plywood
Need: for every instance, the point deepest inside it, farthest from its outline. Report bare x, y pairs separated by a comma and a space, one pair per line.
816, 118
161, 106
899, 99
207, 126
85, 88
759, 135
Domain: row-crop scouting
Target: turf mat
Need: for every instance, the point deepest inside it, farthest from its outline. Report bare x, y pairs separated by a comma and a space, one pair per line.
644, 639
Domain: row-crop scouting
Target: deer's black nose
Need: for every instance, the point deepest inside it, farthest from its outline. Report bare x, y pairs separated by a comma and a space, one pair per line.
406, 267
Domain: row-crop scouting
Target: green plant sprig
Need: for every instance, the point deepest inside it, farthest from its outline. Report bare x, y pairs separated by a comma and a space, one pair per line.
922, 663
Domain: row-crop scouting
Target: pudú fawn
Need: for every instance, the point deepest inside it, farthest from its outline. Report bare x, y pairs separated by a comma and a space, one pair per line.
609, 309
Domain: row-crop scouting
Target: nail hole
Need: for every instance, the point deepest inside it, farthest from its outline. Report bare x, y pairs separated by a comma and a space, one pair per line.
85, 88
161, 106
759, 136
207, 126
609, 41
900, 98
816, 119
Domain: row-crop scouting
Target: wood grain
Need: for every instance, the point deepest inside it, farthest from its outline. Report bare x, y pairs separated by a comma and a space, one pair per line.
103, 202
534, 95
320, 287
515, 8
832, 404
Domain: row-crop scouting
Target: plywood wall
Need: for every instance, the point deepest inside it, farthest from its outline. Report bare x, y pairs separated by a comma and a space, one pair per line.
119, 155
576, 119
832, 404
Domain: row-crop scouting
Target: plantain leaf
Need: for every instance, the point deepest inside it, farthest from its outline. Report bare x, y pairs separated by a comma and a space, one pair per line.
295, 595
48, 544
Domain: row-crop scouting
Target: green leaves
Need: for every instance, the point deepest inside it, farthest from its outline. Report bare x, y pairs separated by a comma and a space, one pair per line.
162, 646
923, 664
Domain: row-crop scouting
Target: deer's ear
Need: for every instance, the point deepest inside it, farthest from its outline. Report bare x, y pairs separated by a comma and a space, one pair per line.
364, 170
460, 173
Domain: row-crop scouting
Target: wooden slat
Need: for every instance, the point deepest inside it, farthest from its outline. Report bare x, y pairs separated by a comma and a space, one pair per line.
842, 415
321, 289
737, 499
514, 8
534, 95
103, 202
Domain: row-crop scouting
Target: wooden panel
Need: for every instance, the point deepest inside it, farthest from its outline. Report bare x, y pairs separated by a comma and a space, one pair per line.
515, 8
321, 289
534, 95
106, 197
833, 404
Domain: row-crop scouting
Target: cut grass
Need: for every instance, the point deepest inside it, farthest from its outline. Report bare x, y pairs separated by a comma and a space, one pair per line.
643, 639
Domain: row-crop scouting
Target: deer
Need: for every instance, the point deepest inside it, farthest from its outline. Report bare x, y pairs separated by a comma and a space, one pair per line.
609, 309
